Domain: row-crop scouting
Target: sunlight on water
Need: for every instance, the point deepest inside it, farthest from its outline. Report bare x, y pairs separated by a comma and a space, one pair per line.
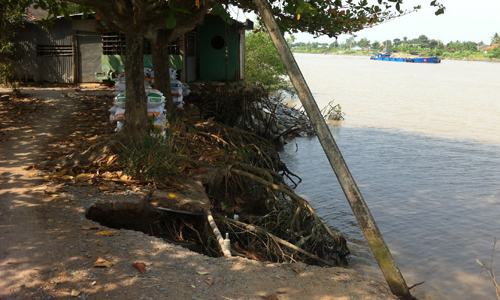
422, 143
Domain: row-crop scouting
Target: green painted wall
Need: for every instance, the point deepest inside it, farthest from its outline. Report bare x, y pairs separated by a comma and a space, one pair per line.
116, 63
213, 61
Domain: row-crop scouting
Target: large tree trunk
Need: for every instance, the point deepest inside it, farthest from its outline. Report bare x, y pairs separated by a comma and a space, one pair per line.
136, 117
159, 47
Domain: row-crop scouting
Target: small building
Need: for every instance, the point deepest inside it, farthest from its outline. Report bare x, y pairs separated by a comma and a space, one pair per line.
356, 48
79, 50
490, 48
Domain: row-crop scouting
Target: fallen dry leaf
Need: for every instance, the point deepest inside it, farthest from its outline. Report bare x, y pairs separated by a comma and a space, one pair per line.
83, 177
209, 281
140, 266
111, 159
107, 232
58, 174
75, 293
102, 263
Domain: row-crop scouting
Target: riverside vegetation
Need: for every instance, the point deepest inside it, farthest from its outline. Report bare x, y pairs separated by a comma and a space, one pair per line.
422, 46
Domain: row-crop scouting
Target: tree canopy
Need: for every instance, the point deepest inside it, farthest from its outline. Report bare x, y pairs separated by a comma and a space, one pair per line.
495, 39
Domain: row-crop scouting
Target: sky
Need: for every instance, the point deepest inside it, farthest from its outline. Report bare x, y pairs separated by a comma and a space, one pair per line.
463, 20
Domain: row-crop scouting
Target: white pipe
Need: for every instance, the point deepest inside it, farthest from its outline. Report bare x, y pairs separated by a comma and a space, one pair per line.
225, 245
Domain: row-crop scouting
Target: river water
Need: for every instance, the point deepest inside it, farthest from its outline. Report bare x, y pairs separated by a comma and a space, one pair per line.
423, 144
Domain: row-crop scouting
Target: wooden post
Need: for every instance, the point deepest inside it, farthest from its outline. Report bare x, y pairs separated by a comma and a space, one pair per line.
358, 205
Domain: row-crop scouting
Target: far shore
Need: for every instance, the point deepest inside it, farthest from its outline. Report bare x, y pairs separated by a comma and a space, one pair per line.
370, 54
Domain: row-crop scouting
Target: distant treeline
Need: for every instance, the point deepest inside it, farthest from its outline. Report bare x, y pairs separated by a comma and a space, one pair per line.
422, 46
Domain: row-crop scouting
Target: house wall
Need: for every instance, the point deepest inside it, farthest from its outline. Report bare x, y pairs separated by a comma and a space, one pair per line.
116, 63
212, 39
46, 55
71, 51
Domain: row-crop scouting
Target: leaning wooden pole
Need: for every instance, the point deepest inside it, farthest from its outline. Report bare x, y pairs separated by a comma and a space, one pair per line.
358, 205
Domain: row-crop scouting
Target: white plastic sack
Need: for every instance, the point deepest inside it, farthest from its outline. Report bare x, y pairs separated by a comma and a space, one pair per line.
120, 114
174, 83
173, 74
112, 112
119, 126
156, 101
159, 128
155, 98
178, 102
185, 90
120, 100
156, 112
120, 86
148, 72
154, 91
176, 92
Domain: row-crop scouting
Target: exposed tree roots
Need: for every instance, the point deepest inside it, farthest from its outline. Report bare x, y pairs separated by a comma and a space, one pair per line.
265, 218
244, 180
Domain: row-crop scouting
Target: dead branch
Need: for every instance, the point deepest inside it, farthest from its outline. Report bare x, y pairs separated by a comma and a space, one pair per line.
287, 191
489, 269
260, 230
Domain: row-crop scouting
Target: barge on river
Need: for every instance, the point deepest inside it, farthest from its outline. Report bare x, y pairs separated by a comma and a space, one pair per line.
387, 57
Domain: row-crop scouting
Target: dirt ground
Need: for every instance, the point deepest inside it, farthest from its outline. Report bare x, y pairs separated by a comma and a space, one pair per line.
50, 250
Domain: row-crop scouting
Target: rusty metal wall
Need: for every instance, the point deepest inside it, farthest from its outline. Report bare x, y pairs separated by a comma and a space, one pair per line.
49, 63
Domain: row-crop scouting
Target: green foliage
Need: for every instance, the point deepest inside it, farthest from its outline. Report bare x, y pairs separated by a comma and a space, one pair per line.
11, 20
151, 159
7, 74
219, 10
332, 18
495, 53
263, 65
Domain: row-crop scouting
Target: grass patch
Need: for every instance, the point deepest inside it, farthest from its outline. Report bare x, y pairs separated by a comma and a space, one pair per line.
152, 159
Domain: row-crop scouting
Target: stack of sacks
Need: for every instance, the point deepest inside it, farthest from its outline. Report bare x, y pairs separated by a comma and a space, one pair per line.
176, 87
149, 75
156, 111
121, 77
185, 90
121, 85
